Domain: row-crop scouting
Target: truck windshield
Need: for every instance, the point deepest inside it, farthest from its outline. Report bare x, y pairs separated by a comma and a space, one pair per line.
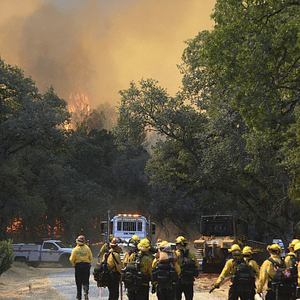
216, 227
63, 245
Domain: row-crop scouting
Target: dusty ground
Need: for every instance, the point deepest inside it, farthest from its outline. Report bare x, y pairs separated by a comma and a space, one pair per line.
23, 282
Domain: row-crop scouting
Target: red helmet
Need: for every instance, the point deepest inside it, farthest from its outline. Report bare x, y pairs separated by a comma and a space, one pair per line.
80, 239
115, 241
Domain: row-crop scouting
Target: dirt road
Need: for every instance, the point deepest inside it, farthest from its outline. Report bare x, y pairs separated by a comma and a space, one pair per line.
52, 282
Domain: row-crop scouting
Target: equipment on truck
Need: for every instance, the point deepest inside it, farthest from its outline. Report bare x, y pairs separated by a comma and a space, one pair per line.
49, 251
219, 233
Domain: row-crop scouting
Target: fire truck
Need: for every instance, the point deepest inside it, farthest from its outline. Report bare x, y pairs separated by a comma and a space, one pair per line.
125, 226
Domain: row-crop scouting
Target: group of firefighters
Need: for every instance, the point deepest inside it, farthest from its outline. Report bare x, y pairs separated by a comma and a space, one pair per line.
170, 276
170, 282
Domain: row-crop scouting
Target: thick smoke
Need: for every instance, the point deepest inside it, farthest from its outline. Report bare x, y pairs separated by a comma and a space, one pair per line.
99, 47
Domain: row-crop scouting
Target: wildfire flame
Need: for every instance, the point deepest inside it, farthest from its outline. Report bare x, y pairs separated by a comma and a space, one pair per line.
79, 107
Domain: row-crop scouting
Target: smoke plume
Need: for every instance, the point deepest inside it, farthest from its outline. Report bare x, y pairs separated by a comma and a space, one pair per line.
99, 47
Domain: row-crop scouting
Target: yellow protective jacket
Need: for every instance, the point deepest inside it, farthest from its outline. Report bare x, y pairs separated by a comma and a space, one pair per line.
228, 270
145, 263
290, 259
267, 272
104, 248
81, 253
298, 268
251, 262
113, 261
191, 255
126, 258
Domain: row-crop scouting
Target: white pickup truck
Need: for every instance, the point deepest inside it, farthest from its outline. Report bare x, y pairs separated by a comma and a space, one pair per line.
49, 251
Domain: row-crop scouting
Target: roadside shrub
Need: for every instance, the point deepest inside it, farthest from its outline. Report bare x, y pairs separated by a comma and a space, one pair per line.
6, 256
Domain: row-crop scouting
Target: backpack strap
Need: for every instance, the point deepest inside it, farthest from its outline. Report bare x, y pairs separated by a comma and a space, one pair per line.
277, 264
117, 263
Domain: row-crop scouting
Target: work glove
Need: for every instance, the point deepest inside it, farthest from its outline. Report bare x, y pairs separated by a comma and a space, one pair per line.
217, 285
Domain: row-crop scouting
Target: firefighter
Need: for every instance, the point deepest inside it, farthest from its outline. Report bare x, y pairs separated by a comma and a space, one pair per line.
297, 253
236, 290
114, 266
134, 241
290, 258
185, 283
165, 287
267, 271
143, 260
105, 247
247, 255
81, 258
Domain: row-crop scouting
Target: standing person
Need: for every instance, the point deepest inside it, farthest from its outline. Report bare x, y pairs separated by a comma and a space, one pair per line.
189, 265
134, 241
143, 262
81, 258
105, 248
247, 255
267, 271
297, 253
114, 266
164, 270
238, 268
290, 258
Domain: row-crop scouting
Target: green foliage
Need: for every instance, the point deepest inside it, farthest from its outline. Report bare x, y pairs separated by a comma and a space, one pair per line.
6, 256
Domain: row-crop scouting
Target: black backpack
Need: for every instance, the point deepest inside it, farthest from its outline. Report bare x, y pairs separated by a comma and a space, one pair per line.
188, 268
101, 272
285, 280
164, 273
244, 276
132, 276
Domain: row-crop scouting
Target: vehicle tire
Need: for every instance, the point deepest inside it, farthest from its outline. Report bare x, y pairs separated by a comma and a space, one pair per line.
65, 262
34, 264
21, 259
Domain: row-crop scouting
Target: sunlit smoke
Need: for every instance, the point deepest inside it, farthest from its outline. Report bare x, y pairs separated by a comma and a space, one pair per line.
100, 46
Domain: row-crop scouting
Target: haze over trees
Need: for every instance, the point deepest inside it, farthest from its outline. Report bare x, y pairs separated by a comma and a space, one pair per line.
229, 138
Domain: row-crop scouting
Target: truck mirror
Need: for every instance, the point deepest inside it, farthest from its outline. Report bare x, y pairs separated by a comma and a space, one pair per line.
102, 227
153, 229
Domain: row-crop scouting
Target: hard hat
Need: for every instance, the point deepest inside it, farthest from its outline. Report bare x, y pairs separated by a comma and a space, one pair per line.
115, 241
162, 245
293, 243
80, 240
297, 247
235, 249
110, 237
135, 239
144, 245
275, 247
181, 240
247, 250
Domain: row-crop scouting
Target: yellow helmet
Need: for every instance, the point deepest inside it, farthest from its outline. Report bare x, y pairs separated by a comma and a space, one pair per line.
162, 245
275, 247
293, 243
181, 240
135, 239
235, 249
144, 245
247, 250
297, 247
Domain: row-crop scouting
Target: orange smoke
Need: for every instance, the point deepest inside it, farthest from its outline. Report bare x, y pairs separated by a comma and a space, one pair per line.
100, 45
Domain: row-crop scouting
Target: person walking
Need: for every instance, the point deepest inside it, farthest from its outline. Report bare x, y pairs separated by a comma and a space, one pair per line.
243, 276
189, 266
114, 266
143, 264
81, 258
165, 272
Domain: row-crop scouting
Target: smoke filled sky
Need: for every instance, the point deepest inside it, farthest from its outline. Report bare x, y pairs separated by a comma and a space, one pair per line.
99, 46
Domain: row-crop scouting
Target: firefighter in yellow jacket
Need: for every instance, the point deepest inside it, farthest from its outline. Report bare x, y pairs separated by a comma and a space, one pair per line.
114, 266
134, 241
165, 290
297, 253
144, 261
235, 290
81, 258
267, 271
105, 248
185, 284
290, 258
